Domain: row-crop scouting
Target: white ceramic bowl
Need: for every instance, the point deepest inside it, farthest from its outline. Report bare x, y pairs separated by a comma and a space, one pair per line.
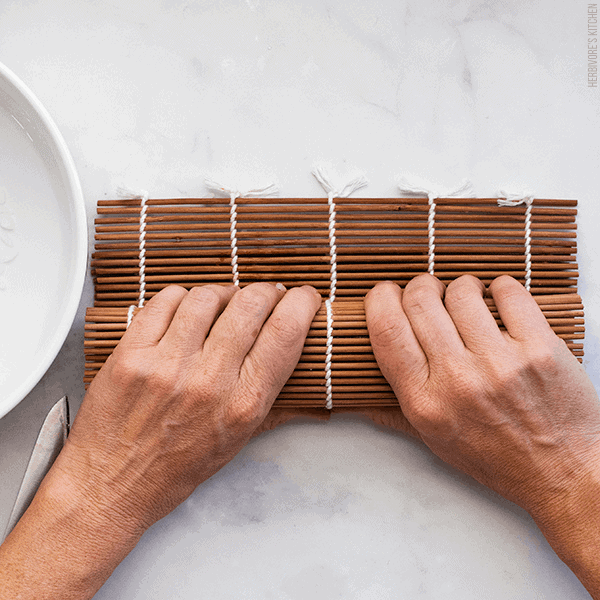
43, 240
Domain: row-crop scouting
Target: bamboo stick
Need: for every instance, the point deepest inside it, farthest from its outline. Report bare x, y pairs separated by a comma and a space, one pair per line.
280, 245
368, 278
309, 235
300, 214
442, 224
356, 306
126, 299
359, 251
249, 266
459, 203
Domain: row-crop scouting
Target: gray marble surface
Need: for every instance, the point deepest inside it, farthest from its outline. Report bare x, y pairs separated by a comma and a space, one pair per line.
161, 93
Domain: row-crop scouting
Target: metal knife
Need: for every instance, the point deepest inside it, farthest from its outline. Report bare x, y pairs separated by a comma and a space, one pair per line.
48, 445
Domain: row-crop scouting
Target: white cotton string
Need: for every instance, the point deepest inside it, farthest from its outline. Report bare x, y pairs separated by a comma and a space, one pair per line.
130, 315
142, 256
234, 194
142, 195
341, 190
332, 291
332, 249
233, 238
516, 200
329, 356
431, 236
421, 187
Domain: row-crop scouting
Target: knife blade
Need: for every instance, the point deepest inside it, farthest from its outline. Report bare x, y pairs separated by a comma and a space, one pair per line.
48, 445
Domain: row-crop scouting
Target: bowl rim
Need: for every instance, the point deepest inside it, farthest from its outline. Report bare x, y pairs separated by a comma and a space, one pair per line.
80, 242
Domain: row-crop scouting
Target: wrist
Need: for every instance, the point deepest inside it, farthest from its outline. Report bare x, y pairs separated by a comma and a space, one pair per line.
567, 491
65, 546
86, 511
99, 487
570, 521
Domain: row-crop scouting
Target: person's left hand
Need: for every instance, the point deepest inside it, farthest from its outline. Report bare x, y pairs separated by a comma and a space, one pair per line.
183, 392
192, 378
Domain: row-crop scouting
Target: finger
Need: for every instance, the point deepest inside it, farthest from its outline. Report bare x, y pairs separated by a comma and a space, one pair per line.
279, 416
429, 319
195, 316
396, 348
471, 316
519, 312
150, 324
236, 330
390, 416
278, 347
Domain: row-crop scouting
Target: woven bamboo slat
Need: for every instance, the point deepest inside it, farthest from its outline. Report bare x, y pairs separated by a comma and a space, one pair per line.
188, 243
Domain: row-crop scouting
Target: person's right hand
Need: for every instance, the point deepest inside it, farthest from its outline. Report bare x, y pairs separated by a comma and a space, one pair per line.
514, 409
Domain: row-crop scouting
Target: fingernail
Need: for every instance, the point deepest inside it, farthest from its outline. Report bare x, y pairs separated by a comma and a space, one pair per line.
280, 287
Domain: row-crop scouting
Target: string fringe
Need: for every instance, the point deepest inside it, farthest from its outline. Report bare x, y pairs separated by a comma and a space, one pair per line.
131, 194
514, 199
326, 178
421, 187
224, 190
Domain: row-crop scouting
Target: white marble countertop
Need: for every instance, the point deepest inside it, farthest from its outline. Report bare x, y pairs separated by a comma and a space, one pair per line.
160, 93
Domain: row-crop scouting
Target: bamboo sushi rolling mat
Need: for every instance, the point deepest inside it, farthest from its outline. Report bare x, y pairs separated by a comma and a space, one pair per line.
188, 242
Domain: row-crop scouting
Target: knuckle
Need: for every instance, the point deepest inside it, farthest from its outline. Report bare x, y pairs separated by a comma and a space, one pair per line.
165, 380
210, 384
418, 295
206, 296
252, 299
385, 331
424, 279
426, 416
128, 369
505, 287
287, 328
172, 293
166, 297
259, 287
459, 378
507, 375
205, 390
173, 289
244, 414
160, 384
463, 289
306, 292
544, 361
466, 279
382, 286
508, 378
310, 288
465, 387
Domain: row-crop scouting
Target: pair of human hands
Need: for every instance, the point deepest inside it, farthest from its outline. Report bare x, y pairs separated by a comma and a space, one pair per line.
196, 374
